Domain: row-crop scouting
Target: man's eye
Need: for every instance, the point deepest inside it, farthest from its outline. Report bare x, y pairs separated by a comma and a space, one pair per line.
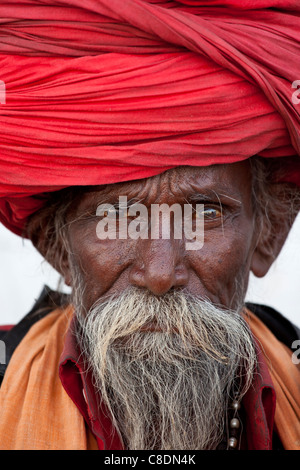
117, 212
109, 213
123, 212
210, 213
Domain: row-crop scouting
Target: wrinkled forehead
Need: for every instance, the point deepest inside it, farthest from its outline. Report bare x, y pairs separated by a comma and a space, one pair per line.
180, 184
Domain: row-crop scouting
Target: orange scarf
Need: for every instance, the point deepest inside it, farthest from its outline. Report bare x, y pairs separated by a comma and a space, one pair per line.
37, 414
286, 379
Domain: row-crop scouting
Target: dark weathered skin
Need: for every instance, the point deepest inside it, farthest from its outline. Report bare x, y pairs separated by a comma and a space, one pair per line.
232, 247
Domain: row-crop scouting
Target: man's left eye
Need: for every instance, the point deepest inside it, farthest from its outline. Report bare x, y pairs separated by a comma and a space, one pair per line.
211, 213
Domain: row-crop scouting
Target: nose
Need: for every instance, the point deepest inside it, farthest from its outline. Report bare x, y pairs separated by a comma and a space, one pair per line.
159, 266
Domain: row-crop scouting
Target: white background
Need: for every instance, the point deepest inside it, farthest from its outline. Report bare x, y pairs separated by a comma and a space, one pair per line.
23, 272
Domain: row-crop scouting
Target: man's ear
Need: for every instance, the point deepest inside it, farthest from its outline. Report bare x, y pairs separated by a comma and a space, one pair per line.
272, 234
265, 253
54, 250
66, 273
59, 260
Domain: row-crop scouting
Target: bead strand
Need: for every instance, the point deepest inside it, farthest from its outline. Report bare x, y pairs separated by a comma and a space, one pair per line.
234, 425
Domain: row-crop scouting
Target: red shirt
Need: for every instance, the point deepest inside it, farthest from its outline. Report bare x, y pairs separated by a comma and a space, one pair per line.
258, 403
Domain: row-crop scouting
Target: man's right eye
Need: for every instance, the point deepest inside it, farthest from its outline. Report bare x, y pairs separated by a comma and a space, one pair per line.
117, 212
211, 213
109, 213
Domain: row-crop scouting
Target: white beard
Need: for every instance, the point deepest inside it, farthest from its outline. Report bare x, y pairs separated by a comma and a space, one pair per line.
167, 389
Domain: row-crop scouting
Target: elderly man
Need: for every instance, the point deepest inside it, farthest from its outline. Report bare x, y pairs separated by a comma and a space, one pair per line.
155, 348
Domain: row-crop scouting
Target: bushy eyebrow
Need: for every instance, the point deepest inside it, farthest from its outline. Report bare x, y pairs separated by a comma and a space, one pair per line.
129, 202
108, 198
234, 200
212, 195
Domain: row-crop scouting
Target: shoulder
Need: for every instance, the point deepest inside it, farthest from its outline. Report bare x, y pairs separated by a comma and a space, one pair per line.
284, 330
12, 335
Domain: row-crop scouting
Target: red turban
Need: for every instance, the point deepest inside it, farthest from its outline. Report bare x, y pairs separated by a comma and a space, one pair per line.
104, 91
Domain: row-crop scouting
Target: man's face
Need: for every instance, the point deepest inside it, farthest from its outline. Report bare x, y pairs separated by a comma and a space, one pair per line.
160, 325
218, 271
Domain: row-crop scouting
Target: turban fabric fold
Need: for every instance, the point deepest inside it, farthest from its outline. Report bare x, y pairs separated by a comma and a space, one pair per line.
104, 91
